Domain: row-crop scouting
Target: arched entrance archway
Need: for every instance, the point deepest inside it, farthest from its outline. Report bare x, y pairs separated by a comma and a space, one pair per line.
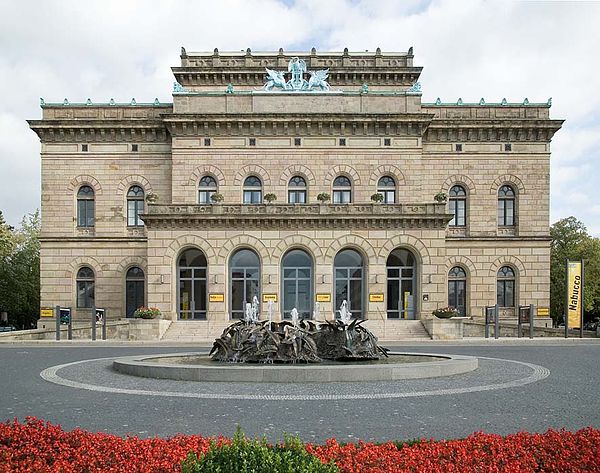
401, 269
191, 273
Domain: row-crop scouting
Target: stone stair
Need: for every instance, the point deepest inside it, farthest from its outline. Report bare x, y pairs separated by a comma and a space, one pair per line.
205, 331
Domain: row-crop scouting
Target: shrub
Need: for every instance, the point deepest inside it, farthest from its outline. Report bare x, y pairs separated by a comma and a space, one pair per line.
270, 197
440, 197
256, 456
445, 312
377, 197
147, 313
216, 197
323, 197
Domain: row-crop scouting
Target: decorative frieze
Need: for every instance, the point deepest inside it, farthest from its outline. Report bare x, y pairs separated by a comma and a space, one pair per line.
377, 216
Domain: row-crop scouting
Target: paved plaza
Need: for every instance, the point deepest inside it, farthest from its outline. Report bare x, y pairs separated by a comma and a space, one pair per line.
519, 385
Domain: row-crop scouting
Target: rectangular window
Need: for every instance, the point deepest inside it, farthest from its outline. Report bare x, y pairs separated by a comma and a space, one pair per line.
206, 141
387, 142
342, 197
297, 141
507, 147
252, 141
342, 142
134, 148
458, 147
85, 213
84, 148
85, 294
252, 197
389, 197
296, 197
204, 197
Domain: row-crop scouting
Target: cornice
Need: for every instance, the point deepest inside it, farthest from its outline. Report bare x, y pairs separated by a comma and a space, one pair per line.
107, 131
298, 124
299, 216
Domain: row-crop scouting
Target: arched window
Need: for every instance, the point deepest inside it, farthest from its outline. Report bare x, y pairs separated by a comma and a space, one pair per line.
387, 187
207, 187
297, 282
349, 281
252, 190
135, 206
297, 190
342, 190
134, 290
85, 288
191, 270
506, 206
458, 206
457, 289
401, 284
244, 275
85, 207
505, 287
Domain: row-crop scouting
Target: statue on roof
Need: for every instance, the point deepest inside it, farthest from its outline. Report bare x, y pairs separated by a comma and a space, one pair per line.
275, 79
297, 69
317, 79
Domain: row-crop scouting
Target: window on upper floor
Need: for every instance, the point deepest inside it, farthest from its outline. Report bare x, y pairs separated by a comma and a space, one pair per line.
457, 202
252, 190
85, 207
387, 188
342, 190
135, 206
207, 187
297, 190
506, 206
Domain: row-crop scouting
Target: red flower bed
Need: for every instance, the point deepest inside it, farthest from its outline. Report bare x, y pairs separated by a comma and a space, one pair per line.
42, 447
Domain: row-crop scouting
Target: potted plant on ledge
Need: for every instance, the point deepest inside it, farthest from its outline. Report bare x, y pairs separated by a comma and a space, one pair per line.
445, 313
440, 197
323, 197
217, 198
377, 197
147, 313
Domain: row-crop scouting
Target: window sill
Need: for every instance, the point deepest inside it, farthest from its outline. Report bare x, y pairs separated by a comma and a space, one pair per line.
507, 231
456, 231
85, 231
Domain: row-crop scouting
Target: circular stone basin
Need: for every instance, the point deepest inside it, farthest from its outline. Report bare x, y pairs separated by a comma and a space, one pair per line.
197, 367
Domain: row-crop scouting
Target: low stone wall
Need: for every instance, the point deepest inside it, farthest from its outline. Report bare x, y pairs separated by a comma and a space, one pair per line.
147, 329
474, 328
117, 330
444, 329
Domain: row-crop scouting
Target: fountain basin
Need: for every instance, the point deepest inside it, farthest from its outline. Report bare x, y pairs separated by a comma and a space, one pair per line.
197, 367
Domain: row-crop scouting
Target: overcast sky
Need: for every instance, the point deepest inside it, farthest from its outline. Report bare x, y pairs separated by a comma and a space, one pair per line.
468, 48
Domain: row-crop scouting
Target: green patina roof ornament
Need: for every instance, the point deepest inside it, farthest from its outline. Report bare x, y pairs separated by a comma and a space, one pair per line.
459, 101
65, 102
526, 101
156, 102
549, 101
177, 87
88, 101
229, 89
481, 101
111, 101
42, 101
438, 101
133, 102
364, 89
504, 102
415, 88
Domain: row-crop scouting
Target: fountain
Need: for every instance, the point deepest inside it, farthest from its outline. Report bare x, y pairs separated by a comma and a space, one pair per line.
296, 341
295, 351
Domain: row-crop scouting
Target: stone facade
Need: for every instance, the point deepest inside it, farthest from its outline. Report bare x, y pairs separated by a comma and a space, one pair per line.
231, 133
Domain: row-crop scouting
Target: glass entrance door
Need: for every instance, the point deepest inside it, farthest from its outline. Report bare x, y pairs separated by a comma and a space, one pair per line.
192, 285
401, 285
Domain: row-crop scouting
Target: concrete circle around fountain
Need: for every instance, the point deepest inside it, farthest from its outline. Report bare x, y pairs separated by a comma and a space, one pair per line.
172, 366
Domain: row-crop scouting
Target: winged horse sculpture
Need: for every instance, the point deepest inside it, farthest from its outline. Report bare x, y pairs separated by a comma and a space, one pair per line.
275, 79
317, 79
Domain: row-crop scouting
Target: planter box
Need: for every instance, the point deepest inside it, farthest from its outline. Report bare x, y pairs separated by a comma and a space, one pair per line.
444, 329
147, 329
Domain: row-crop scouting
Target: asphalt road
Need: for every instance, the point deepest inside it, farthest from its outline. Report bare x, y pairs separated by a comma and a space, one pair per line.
567, 398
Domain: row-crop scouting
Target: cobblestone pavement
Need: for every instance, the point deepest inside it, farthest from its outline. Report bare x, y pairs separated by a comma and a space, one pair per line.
520, 385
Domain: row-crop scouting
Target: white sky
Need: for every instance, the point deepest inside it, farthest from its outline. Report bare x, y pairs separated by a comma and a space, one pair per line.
468, 48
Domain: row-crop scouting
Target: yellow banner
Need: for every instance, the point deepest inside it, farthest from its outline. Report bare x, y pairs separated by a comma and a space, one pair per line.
574, 293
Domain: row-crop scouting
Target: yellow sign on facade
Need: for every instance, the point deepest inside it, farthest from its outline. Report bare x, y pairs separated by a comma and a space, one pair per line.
376, 297
574, 293
216, 297
269, 297
543, 311
46, 312
323, 297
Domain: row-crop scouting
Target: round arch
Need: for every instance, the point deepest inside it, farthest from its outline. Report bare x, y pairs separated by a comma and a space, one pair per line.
461, 180
418, 248
463, 262
83, 180
246, 241
252, 169
81, 261
297, 170
189, 240
202, 171
292, 242
510, 180
342, 169
511, 261
387, 170
133, 180
351, 241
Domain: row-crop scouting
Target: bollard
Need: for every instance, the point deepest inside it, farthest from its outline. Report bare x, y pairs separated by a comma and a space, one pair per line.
104, 317
496, 322
94, 322
57, 314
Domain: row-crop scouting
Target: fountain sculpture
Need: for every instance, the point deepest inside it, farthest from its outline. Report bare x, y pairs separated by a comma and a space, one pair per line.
295, 341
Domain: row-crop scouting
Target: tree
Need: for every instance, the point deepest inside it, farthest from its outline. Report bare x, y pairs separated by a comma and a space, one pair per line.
571, 241
20, 271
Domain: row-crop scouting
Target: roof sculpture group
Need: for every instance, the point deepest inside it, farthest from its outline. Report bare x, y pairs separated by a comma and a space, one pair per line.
297, 69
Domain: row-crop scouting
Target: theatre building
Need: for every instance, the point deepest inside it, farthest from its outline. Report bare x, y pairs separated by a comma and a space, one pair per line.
302, 179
